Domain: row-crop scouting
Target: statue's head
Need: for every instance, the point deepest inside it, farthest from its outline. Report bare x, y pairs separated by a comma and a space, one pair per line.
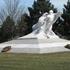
51, 11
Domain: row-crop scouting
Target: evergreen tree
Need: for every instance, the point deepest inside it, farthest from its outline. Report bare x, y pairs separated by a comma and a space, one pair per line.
8, 29
22, 26
66, 17
0, 35
38, 8
63, 27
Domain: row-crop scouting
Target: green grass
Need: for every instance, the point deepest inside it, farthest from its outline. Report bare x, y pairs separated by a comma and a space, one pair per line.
55, 61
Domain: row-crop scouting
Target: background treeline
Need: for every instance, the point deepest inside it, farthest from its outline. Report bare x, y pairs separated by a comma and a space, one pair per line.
16, 23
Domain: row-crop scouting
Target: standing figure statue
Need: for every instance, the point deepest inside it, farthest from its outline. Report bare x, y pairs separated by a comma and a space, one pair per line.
43, 29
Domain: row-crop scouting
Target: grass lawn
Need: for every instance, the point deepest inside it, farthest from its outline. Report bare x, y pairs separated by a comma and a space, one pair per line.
55, 61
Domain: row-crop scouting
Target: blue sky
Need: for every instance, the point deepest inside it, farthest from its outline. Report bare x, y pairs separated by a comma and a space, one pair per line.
28, 3
59, 3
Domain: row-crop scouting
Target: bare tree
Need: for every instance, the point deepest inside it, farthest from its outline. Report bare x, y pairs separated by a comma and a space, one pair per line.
3, 15
13, 8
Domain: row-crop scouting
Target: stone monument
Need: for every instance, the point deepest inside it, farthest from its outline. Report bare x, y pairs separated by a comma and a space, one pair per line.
43, 29
42, 39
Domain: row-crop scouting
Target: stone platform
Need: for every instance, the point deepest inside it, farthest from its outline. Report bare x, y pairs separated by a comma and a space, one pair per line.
34, 45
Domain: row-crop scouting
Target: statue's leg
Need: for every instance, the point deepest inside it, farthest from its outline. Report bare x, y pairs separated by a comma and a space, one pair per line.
48, 28
51, 34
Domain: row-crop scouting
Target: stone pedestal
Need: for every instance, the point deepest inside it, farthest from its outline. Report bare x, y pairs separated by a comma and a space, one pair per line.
34, 45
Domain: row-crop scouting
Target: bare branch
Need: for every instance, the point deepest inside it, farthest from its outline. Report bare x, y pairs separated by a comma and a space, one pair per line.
13, 8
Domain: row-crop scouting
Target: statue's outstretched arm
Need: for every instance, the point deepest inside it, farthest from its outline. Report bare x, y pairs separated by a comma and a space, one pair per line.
61, 18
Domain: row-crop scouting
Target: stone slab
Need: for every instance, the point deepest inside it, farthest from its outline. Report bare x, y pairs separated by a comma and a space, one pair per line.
34, 45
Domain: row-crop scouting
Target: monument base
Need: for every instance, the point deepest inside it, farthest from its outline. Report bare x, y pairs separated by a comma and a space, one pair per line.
34, 45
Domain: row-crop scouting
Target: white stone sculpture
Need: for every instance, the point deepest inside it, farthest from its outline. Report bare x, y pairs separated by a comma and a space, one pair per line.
43, 29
